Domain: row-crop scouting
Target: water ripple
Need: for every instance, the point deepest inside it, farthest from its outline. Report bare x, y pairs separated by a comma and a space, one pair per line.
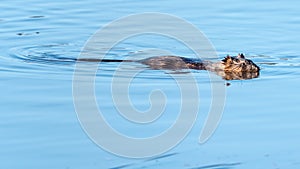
218, 166
51, 54
64, 56
274, 67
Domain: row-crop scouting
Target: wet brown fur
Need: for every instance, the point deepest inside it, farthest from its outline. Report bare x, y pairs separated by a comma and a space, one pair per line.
230, 68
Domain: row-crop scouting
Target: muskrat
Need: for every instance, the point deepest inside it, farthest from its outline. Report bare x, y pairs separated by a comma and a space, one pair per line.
230, 68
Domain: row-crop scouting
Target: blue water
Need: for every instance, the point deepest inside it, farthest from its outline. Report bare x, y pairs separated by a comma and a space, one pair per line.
39, 127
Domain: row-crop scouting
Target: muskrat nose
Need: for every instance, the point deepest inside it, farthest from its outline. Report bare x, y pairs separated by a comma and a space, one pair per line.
254, 68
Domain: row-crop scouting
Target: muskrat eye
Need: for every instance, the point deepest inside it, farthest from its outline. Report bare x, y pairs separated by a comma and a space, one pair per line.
244, 66
236, 60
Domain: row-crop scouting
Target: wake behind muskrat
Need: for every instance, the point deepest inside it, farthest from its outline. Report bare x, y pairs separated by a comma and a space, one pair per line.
229, 68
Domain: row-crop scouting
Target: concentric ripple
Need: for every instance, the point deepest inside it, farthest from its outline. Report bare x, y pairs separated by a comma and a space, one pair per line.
51, 54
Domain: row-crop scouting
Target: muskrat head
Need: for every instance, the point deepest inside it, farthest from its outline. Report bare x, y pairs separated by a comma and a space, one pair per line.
239, 64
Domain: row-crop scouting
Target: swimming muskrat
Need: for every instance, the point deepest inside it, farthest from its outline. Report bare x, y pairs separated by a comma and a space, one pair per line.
230, 68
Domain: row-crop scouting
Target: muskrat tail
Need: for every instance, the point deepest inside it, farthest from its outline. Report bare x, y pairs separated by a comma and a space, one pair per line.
115, 60
102, 60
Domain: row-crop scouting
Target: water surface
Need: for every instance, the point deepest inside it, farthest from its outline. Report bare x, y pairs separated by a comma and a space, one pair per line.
39, 126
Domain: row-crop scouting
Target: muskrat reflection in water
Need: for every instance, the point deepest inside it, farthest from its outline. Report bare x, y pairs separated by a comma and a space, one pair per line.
230, 68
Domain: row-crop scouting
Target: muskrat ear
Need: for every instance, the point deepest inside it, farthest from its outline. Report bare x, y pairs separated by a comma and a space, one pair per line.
227, 58
240, 55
